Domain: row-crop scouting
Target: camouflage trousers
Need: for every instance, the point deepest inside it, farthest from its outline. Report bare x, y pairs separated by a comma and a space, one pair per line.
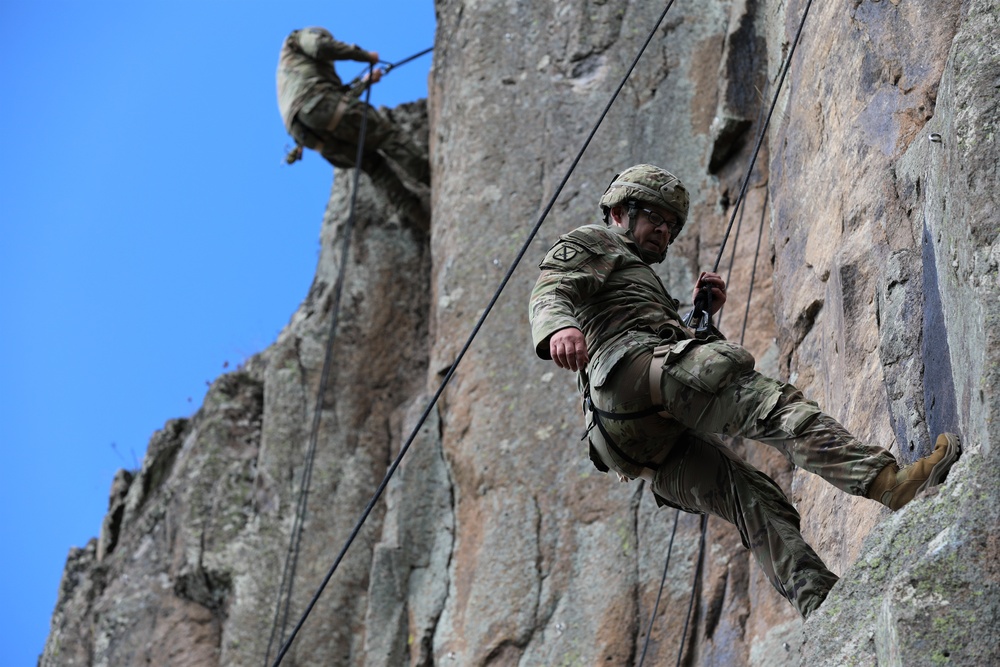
383, 139
709, 389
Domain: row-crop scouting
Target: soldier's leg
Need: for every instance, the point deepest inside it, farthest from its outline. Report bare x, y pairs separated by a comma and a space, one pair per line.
385, 137
713, 388
407, 181
810, 438
339, 133
339, 128
321, 121
700, 474
777, 413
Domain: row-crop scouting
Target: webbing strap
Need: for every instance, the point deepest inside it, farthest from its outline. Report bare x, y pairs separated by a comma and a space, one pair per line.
338, 114
626, 416
614, 446
655, 375
622, 416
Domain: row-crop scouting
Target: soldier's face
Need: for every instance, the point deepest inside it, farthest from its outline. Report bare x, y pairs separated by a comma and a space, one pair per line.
647, 235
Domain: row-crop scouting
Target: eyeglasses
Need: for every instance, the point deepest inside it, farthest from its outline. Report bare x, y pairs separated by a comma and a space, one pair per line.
673, 226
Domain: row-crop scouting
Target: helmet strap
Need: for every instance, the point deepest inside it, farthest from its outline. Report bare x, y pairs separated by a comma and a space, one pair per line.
631, 210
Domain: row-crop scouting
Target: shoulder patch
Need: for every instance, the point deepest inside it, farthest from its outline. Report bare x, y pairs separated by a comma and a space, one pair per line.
566, 251
566, 254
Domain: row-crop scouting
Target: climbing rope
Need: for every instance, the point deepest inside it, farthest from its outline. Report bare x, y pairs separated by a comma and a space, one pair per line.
739, 222
753, 270
732, 260
705, 297
694, 586
468, 343
391, 66
703, 301
291, 559
663, 581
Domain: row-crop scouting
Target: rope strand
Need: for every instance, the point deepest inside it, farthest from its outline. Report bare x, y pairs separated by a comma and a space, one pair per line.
694, 586
467, 345
739, 223
708, 294
703, 300
392, 66
663, 581
760, 137
318, 410
753, 271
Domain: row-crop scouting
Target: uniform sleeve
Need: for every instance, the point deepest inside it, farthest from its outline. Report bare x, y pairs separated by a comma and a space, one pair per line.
571, 272
322, 46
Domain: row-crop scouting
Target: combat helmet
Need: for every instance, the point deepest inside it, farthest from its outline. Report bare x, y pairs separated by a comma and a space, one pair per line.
652, 185
320, 32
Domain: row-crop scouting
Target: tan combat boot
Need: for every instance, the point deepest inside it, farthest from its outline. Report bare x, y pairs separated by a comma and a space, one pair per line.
894, 487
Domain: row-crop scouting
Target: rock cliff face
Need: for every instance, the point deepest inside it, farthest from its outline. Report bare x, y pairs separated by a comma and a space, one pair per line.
496, 542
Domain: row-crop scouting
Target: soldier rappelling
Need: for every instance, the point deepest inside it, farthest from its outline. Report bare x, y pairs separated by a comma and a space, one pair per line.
657, 395
324, 114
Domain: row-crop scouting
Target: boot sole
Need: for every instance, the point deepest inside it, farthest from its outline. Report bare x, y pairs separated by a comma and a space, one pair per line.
940, 470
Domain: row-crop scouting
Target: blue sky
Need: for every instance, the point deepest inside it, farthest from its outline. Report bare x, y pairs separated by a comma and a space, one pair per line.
151, 237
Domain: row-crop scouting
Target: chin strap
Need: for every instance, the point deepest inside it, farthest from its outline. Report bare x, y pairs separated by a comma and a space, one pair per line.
631, 211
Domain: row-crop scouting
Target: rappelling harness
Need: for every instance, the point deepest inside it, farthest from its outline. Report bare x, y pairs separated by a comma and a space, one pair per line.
304, 136
596, 413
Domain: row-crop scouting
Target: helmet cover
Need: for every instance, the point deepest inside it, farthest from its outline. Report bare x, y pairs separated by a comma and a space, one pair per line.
319, 32
650, 184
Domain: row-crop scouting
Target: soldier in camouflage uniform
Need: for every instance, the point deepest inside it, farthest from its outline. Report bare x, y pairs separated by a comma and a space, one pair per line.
324, 114
657, 395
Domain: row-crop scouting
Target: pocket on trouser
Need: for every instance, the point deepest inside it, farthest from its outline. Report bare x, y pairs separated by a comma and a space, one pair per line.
766, 409
690, 383
710, 367
792, 413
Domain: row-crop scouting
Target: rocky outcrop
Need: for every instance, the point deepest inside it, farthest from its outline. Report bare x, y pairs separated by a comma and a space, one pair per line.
191, 572
496, 542
925, 587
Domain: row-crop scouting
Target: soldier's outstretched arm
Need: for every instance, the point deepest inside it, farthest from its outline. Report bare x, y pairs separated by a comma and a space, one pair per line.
321, 45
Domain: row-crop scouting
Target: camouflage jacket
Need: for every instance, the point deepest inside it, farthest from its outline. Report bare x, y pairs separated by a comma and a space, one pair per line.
306, 73
594, 279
